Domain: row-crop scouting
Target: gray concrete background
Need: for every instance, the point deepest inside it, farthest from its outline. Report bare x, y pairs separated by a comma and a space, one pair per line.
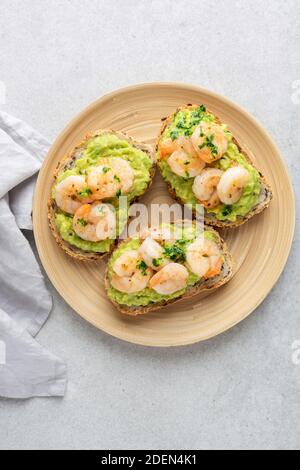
240, 390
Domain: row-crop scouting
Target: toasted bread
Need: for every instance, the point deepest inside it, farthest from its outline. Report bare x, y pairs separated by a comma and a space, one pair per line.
202, 285
67, 164
210, 218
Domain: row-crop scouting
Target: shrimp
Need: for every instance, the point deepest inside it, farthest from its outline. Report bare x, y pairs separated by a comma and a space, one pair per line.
205, 187
168, 146
159, 234
203, 257
152, 254
184, 165
94, 222
171, 278
71, 192
112, 176
209, 141
232, 184
125, 265
130, 275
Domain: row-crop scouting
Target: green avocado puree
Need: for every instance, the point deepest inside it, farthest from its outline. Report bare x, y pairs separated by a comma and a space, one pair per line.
104, 146
184, 123
147, 296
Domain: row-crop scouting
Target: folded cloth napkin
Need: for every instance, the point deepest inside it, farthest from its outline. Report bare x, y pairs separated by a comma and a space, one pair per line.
26, 369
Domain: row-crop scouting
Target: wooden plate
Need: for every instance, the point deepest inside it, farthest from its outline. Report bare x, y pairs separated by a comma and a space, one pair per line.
260, 247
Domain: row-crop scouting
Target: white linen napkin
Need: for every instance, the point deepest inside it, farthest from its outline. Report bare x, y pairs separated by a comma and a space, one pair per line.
26, 369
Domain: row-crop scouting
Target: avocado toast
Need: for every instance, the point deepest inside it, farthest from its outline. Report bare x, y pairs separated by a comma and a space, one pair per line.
164, 265
202, 163
84, 210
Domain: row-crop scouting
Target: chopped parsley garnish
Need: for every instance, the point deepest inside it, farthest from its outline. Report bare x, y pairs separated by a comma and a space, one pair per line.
181, 241
118, 193
174, 134
227, 210
175, 252
181, 124
198, 113
186, 126
209, 142
86, 192
117, 178
82, 222
141, 265
157, 262
105, 169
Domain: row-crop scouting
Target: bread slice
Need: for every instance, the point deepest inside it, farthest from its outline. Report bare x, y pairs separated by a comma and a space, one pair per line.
212, 284
210, 218
67, 164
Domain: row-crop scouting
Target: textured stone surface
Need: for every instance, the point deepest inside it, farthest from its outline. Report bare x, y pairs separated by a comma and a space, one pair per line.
240, 390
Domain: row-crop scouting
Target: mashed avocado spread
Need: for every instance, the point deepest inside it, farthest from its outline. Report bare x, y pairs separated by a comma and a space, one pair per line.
147, 296
184, 123
104, 146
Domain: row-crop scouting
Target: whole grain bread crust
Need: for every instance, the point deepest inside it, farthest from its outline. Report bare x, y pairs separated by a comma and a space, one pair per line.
209, 284
68, 163
266, 192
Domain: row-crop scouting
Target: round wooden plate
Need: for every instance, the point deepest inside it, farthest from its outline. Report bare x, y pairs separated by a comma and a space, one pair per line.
260, 248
